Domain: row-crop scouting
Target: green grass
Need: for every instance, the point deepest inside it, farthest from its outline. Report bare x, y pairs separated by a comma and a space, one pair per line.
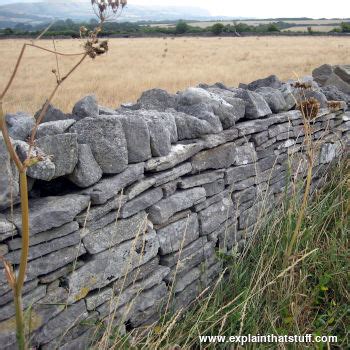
259, 296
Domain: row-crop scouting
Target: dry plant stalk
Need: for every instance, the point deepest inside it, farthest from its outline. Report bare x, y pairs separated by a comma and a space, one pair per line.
104, 10
309, 108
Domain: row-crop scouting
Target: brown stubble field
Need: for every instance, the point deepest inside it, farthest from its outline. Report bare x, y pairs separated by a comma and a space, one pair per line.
135, 65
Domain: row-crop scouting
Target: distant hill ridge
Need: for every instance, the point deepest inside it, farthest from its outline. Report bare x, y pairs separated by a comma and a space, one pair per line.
34, 12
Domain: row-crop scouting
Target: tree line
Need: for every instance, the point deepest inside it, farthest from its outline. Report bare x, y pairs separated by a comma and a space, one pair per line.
70, 28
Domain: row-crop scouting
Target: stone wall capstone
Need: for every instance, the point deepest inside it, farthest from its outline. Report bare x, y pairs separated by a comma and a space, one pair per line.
129, 207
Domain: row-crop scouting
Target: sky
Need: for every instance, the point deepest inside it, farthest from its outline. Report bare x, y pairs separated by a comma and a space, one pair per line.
252, 8
264, 8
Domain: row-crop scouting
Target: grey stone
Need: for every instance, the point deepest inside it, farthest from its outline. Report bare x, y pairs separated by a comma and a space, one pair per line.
199, 180
184, 298
327, 75
9, 186
136, 293
279, 129
322, 73
108, 188
103, 110
254, 215
170, 188
165, 119
274, 99
244, 184
329, 151
225, 235
75, 338
204, 251
256, 106
260, 138
334, 80
97, 212
307, 94
87, 107
95, 225
239, 173
143, 201
171, 175
343, 71
214, 140
251, 126
271, 81
230, 98
203, 112
212, 217
149, 306
27, 287
45, 248
105, 136
193, 96
63, 150
245, 154
41, 313
50, 212
115, 233
185, 280
178, 234
179, 153
214, 188
7, 229
139, 187
334, 94
52, 114
141, 273
287, 92
28, 299
227, 113
68, 318
190, 127
163, 210
86, 172
270, 161
216, 158
160, 135
108, 266
3, 249
294, 117
54, 127
156, 99
137, 137
19, 125
53, 261
211, 274
53, 277
214, 199
178, 257
266, 147
45, 169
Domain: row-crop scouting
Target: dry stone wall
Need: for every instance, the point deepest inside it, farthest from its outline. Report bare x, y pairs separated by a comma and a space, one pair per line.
129, 207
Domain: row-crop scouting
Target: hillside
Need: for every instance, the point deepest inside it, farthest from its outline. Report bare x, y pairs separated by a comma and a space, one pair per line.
35, 12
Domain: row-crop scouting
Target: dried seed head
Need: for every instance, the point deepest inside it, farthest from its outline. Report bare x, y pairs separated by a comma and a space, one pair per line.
334, 106
94, 49
309, 108
302, 86
104, 5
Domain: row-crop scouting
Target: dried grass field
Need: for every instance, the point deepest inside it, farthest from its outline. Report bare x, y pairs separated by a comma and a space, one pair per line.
134, 65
